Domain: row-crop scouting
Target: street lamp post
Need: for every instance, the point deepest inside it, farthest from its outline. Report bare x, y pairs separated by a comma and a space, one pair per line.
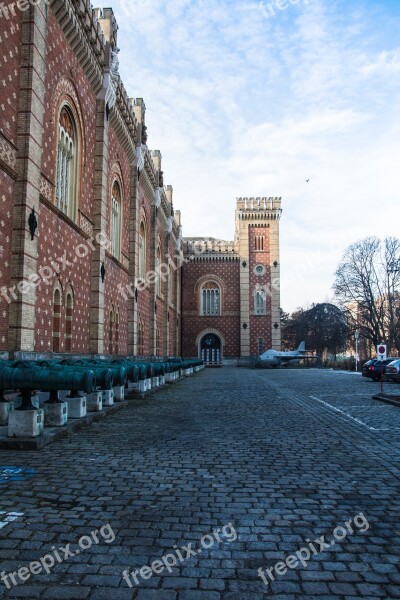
356, 336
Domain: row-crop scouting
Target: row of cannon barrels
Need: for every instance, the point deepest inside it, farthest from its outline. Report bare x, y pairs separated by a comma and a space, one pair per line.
79, 375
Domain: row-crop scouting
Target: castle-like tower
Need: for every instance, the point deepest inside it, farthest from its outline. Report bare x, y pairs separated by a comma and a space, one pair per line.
230, 293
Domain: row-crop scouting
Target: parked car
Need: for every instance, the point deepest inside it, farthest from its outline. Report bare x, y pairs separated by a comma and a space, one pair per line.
379, 368
393, 371
367, 368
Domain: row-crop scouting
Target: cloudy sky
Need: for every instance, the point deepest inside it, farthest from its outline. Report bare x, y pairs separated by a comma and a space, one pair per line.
245, 100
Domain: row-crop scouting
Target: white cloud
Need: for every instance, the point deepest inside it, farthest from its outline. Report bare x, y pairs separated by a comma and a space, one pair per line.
241, 105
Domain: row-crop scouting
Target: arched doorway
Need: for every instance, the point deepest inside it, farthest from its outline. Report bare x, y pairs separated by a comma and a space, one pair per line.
211, 349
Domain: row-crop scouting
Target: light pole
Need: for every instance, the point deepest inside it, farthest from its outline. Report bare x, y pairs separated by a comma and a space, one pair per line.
356, 336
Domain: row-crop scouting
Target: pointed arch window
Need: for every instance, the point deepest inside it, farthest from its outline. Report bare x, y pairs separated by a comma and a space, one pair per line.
115, 234
142, 251
111, 332
67, 164
158, 266
210, 299
69, 307
140, 348
56, 320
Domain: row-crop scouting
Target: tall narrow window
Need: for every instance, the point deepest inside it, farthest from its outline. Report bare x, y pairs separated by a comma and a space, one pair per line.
68, 323
142, 251
260, 302
158, 266
158, 341
66, 168
111, 333
260, 345
210, 300
140, 338
116, 336
56, 320
259, 243
115, 236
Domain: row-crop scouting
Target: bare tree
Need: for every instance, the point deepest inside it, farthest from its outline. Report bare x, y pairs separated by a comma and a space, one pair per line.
365, 285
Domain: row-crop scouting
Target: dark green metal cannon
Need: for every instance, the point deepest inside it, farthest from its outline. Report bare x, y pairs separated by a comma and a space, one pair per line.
104, 377
120, 372
30, 378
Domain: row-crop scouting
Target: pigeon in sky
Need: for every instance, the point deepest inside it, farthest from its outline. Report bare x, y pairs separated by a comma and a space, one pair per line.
306, 180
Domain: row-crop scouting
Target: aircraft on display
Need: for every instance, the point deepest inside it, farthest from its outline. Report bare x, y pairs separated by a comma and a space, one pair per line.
274, 358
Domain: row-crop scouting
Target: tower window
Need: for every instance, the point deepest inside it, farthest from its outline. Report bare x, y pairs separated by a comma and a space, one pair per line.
260, 302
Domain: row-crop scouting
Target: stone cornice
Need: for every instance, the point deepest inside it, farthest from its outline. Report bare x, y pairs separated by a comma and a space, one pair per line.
82, 30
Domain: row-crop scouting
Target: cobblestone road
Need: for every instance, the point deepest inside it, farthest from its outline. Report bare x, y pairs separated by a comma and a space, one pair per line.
284, 456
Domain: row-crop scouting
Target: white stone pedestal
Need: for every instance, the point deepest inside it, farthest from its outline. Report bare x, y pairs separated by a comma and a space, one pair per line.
95, 402
108, 397
162, 380
5, 408
55, 414
140, 386
76, 407
25, 423
119, 393
154, 382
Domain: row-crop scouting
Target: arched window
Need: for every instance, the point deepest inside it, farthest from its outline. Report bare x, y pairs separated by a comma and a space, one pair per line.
140, 348
111, 333
56, 320
158, 341
67, 164
158, 266
260, 345
115, 226
210, 299
116, 336
260, 302
142, 251
69, 307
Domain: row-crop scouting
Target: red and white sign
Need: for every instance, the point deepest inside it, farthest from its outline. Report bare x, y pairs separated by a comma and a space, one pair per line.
381, 351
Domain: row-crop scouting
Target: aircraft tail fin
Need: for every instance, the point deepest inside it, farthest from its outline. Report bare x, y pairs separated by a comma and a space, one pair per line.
302, 347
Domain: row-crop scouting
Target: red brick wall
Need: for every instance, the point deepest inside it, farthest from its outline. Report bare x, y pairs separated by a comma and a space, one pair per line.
10, 47
228, 324
6, 202
63, 65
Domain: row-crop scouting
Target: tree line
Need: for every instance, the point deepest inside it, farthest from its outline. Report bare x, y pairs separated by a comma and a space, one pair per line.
367, 293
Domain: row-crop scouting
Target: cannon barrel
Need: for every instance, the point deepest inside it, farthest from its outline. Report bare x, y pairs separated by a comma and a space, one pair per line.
31, 378
104, 377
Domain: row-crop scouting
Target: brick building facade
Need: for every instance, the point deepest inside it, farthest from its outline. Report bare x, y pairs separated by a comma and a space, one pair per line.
230, 290
86, 222
82, 198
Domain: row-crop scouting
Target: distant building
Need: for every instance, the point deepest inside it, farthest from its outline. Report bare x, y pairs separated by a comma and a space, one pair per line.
231, 290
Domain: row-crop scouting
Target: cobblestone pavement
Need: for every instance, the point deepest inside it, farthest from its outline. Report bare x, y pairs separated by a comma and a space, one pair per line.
285, 457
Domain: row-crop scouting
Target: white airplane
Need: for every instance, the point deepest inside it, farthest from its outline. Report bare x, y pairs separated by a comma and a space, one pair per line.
274, 358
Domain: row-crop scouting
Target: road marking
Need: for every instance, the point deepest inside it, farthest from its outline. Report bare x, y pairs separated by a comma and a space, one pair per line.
358, 421
9, 517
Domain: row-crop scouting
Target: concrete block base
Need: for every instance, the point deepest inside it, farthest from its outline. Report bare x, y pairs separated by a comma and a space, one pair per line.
25, 423
119, 393
76, 407
108, 397
56, 414
155, 382
5, 408
95, 402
